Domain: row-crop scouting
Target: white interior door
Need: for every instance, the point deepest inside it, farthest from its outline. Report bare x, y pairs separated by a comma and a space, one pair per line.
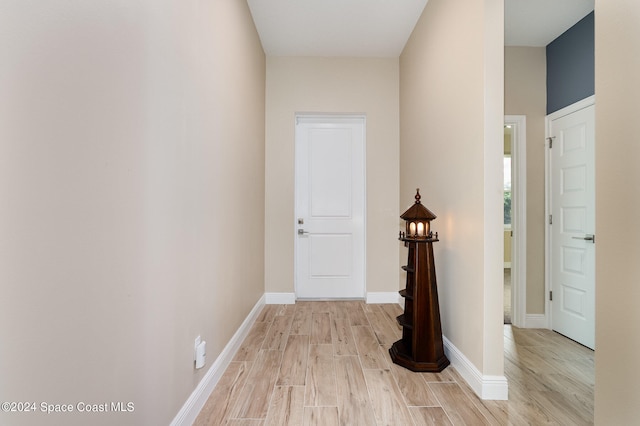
573, 225
330, 206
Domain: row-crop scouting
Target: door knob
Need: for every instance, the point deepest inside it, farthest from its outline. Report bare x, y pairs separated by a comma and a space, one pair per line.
302, 232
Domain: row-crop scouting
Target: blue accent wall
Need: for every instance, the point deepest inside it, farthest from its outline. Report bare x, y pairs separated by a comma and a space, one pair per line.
570, 65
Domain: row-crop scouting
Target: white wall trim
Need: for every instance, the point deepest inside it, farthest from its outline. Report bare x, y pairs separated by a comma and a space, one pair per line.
486, 387
536, 321
191, 408
384, 297
280, 298
519, 220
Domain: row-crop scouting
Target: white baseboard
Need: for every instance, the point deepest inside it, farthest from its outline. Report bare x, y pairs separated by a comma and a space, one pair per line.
486, 387
280, 298
535, 321
191, 408
384, 297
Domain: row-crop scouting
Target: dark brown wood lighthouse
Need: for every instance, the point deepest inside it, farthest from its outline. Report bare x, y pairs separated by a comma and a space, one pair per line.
421, 348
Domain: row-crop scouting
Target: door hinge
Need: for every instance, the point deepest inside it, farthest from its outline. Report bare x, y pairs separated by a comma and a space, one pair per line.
550, 219
551, 296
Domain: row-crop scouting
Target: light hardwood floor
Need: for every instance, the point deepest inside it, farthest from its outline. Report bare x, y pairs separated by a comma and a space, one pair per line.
327, 363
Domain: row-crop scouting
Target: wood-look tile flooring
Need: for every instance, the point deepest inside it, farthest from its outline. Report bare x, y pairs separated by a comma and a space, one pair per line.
327, 363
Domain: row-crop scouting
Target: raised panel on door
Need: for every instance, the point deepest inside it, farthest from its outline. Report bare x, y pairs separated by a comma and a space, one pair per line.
330, 173
330, 256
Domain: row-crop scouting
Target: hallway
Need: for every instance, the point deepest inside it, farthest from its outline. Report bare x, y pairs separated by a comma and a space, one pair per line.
326, 363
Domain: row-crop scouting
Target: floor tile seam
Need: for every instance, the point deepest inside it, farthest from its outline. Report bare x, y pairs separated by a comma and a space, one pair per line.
544, 409
469, 398
335, 376
240, 391
282, 360
273, 387
251, 329
350, 330
402, 402
435, 395
306, 373
359, 355
320, 406
269, 330
373, 329
266, 332
438, 381
232, 404
404, 398
366, 385
444, 410
425, 406
245, 418
478, 403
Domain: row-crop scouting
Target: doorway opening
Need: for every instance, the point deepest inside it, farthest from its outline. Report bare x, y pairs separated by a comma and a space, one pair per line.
515, 219
508, 231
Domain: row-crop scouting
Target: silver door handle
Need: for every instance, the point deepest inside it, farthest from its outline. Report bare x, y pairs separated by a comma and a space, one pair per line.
588, 237
302, 232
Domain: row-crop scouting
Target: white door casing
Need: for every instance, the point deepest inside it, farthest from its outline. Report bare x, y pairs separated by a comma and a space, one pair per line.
572, 227
330, 207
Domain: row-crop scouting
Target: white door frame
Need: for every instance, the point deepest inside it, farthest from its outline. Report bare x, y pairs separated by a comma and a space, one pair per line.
518, 219
584, 103
332, 116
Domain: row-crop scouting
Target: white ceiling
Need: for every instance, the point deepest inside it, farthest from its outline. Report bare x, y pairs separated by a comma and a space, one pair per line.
380, 28
539, 22
377, 28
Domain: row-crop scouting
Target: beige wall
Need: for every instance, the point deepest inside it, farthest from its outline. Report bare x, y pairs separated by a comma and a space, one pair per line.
525, 93
333, 85
132, 187
451, 127
617, 90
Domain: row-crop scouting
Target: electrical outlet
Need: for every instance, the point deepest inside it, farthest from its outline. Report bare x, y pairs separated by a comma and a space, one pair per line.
201, 355
195, 346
